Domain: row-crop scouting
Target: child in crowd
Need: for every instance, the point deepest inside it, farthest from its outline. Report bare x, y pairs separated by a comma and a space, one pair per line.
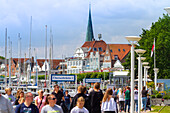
80, 106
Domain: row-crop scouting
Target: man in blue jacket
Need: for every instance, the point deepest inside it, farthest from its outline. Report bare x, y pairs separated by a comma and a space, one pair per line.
27, 106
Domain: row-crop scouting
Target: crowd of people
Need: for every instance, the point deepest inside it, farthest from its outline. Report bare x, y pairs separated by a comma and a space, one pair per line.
91, 100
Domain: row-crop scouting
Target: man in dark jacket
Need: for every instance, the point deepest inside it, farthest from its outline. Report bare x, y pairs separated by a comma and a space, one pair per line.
95, 99
79, 94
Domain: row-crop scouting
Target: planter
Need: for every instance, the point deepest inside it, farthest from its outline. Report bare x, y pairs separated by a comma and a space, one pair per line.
155, 101
167, 101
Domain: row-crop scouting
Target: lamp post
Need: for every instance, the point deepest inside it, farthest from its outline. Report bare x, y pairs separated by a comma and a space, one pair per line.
156, 70
167, 9
140, 52
147, 67
145, 64
142, 59
132, 40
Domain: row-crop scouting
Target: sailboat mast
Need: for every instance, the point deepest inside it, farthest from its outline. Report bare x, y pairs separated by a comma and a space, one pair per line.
9, 62
6, 57
45, 56
30, 50
19, 58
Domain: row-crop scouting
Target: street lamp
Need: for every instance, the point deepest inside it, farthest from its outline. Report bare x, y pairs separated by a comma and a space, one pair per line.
167, 9
145, 64
140, 52
132, 40
156, 71
146, 67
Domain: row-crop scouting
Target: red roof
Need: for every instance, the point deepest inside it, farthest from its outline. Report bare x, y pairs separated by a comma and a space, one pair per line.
95, 44
121, 50
55, 62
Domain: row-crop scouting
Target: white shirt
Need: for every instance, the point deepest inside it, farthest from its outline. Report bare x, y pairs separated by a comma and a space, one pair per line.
109, 105
121, 97
79, 110
135, 94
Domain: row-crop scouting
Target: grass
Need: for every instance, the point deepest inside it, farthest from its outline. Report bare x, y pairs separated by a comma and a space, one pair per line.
166, 109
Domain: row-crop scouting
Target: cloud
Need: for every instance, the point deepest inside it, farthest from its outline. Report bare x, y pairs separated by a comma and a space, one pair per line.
115, 19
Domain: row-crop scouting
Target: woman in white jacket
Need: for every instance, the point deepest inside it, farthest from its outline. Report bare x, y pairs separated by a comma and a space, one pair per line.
108, 103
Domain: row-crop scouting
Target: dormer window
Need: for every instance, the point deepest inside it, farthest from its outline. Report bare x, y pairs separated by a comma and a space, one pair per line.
116, 57
94, 49
100, 49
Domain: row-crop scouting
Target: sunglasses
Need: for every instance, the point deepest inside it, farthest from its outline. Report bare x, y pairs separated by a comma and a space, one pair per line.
52, 98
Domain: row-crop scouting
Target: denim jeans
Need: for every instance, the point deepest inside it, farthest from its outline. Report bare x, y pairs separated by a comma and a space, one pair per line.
68, 106
144, 101
136, 103
127, 102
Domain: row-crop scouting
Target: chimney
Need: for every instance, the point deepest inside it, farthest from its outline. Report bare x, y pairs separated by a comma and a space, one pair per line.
99, 36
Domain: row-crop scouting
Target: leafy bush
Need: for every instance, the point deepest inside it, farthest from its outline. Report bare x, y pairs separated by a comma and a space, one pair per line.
155, 92
158, 95
166, 97
152, 96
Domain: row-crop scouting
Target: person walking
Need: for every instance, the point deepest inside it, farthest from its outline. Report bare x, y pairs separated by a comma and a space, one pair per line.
127, 98
144, 98
79, 94
20, 94
58, 94
40, 100
95, 99
52, 107
68, 100
108, 103
80, 106
8, 95
27, 106
5, 105
136, 97
121, 100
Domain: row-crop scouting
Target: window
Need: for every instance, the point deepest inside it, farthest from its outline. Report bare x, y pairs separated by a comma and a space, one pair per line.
100, 49
116, 57
124, 50
118, 49
70, 63
84, 63
111, 50
73, 63
94, 49
96, 59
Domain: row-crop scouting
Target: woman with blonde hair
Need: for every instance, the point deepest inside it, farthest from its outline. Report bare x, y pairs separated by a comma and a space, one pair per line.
40, 100
9, 95
80, 106
121, 99
108, 103
20, 94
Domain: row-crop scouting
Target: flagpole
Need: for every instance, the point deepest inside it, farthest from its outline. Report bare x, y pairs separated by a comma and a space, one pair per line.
154, 54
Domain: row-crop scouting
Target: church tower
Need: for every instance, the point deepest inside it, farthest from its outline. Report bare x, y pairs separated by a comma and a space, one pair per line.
89, 34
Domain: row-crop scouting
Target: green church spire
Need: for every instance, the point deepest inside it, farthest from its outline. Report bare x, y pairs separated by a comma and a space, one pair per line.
89, 34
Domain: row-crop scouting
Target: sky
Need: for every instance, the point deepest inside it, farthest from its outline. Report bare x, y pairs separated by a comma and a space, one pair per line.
68, 19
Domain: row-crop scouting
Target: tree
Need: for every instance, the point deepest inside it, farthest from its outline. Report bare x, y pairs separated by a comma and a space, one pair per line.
1, 57
159, 30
